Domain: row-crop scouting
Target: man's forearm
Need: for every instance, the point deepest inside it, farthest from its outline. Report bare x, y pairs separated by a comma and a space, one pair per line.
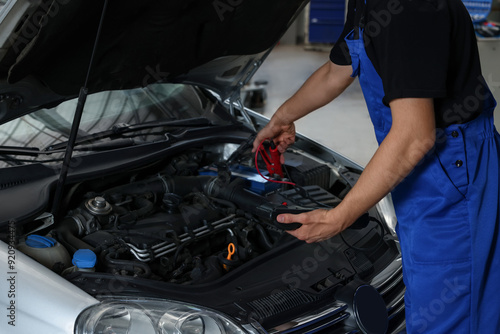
324, 85
412, 135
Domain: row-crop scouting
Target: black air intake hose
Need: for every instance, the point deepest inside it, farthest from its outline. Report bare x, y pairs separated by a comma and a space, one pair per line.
184, 185
243, 198
68, 234
180, 185
154, 185
234, 192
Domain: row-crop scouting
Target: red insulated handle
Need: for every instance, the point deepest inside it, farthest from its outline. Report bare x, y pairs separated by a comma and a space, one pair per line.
275, 160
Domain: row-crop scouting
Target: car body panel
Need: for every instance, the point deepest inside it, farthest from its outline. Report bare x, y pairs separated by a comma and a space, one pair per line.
36, 300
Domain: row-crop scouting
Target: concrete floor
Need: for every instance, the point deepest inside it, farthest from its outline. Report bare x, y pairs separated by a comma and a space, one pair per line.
343, 125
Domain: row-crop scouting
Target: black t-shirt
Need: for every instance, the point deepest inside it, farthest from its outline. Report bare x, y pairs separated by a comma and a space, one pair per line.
421, 48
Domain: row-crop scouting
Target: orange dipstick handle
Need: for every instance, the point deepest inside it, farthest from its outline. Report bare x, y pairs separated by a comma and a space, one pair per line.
230, 251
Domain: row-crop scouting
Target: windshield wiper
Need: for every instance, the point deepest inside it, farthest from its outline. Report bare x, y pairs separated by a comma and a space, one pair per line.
109, 145
8, 155
29, 151
104, 146
120, 129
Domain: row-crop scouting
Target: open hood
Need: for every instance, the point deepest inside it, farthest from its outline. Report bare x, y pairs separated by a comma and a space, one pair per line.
46, 46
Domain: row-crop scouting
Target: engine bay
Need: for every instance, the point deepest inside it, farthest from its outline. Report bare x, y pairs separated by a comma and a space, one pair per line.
191, 218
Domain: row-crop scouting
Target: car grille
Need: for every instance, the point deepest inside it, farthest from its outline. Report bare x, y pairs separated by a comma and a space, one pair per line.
334, 318
331, 319
280, 302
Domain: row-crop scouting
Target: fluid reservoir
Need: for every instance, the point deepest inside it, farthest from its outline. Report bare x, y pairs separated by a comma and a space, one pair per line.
83, 260
45, 250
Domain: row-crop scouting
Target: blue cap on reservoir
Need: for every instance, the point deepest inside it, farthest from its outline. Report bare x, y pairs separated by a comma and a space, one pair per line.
37, 241
84, 258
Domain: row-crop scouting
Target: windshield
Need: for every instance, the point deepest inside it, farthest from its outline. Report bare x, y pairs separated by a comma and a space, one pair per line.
47, 127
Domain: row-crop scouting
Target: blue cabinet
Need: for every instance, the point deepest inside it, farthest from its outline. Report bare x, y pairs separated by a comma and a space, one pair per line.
326, 20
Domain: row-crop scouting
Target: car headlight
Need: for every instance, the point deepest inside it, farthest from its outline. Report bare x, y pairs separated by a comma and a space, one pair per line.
148, 316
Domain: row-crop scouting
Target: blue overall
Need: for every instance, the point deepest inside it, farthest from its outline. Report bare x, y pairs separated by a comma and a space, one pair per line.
448, 218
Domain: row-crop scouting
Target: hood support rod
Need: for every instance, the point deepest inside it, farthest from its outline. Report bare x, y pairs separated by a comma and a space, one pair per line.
82, 98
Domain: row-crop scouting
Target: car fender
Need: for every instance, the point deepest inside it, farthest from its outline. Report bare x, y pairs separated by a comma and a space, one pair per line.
34, 299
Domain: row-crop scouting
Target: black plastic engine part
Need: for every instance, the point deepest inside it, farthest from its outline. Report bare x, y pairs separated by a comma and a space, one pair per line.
305, 172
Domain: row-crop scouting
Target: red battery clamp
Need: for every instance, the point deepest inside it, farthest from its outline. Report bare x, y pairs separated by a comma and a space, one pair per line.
272, 159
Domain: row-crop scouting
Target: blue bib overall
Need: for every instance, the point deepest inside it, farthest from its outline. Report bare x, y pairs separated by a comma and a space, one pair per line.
448, 218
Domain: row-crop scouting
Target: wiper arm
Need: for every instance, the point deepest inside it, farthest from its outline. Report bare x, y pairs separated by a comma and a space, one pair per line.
125, 128
29, 151
6, 151
108, 145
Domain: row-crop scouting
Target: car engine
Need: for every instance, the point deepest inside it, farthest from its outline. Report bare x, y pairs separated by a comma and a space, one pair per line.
191, 220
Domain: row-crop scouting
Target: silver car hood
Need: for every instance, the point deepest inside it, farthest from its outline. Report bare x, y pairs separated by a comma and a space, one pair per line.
46, 46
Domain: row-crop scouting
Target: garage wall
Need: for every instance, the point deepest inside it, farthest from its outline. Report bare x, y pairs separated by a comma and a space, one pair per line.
489, 51
495, 11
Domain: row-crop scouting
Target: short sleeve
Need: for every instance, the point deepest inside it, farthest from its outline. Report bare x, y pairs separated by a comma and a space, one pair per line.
408, 43
340, 52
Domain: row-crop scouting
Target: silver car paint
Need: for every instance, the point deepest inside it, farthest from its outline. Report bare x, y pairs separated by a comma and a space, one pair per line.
44, 301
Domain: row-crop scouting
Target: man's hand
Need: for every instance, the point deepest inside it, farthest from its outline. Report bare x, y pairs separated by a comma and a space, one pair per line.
283, 136
317, 225
324, 85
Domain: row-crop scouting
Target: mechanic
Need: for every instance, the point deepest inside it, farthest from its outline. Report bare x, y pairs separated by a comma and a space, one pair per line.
418, 66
